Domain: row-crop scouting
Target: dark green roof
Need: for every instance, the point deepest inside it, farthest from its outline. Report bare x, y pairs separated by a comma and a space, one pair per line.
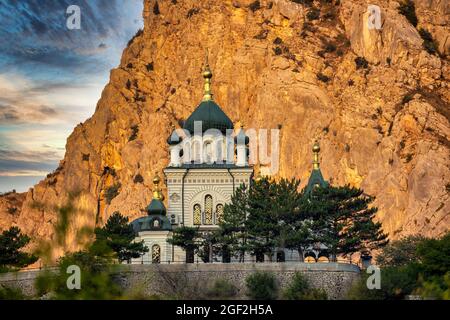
152, 223
211, 116
316, 179
156, 206
174, 138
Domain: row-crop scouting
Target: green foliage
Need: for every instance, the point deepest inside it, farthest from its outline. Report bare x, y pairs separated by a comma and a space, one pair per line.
232, 234
11, 256
263, 220
408, 9
262, 286
186, 238
222, 289
436, 288
396, 283
343, 220
273, 214
7, 293
359, 290
428, 43
400, 252
112, 192
412, 265
299, 289
117, 236
361, 63
96, 280
435, 256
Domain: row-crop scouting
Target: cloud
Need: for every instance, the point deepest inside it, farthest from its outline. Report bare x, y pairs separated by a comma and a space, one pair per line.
51, 78
31, 163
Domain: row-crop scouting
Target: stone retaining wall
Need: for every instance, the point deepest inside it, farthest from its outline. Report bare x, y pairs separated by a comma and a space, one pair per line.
191, 280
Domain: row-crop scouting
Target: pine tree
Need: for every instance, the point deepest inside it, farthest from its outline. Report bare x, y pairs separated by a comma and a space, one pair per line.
187, 238
263, 222
117, 237
344, 221
295, 227
231, 238
11, 243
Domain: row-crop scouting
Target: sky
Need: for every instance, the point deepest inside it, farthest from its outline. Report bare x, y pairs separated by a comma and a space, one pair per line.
52, 75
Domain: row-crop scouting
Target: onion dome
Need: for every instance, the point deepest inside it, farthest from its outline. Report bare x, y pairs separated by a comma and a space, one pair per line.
156, 220
156, 206
208, 112
315, 179
174, 138
241, 138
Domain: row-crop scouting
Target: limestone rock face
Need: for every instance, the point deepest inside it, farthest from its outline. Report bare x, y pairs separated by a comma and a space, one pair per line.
376, 100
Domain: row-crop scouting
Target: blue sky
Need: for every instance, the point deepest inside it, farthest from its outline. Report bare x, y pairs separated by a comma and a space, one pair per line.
51, 77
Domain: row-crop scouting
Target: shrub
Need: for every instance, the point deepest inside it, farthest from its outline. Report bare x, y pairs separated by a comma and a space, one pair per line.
262, 286
322, 77
112, 192
428, 43
277, 51
407, 98
277, 40
150, 67
192, 11
361, 63
255, 6
12, 210
85, 157
313, 14
330, 47
138, 179
156, 9
299, 289
138, 33
128, 84
222, 289
134, 133
407, 8
7, 293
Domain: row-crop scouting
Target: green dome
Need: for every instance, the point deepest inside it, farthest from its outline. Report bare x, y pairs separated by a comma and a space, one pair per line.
156, 206
151, 223
211, 116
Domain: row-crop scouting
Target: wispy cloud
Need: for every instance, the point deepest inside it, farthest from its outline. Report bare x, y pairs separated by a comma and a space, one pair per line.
52, 77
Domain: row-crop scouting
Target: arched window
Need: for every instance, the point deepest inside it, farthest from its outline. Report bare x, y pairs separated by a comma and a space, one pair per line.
156, 254
208, 209
219, 213
197, 215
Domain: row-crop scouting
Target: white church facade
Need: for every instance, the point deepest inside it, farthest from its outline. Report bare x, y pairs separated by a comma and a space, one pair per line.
208, 162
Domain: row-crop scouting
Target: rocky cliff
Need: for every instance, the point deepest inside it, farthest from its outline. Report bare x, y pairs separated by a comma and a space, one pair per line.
376, 98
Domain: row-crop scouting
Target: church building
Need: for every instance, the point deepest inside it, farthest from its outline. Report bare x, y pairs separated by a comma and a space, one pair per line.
208, 162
